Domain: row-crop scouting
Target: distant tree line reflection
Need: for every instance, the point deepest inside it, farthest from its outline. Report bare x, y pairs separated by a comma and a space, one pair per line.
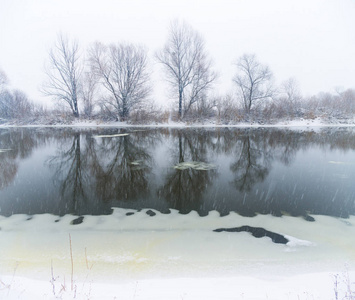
93, 171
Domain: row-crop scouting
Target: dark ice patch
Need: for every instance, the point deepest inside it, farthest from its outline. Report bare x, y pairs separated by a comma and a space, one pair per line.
150, 213
308, 218
257, 232
77, 221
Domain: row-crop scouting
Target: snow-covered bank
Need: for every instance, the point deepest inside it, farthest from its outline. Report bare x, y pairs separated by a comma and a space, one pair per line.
173, 256
317, 122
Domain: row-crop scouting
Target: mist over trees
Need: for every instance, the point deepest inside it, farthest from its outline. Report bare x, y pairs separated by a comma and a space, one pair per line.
89, 92
3, 79
112, 82
14, 104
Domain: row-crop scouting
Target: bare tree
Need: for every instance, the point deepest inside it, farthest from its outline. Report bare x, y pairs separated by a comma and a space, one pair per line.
6, 101
186, 63
15, 105
288, 102
3, 79
253, 81
122, 69
88, 92
5, 96
22, 106
291, 89
227, 109
63, 73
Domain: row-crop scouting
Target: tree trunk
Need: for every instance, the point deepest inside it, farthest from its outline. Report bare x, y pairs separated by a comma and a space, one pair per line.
125, 112
180, 105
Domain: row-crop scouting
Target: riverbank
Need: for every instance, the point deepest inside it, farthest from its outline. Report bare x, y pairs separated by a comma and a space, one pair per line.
315, 122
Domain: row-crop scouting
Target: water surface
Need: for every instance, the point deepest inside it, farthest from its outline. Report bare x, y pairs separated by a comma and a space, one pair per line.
248, 171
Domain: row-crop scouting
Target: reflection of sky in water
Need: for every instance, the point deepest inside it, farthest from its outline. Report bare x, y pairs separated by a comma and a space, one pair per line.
258, 171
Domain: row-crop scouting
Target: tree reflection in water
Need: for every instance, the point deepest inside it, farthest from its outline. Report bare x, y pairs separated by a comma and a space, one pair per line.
94, 172
263, 171
252, 162
184, 189
72, 176
121, 167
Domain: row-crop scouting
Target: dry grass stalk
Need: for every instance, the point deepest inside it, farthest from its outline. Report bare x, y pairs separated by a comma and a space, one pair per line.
72, 264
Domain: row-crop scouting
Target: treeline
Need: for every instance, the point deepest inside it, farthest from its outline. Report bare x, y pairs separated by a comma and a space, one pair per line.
14, 104
113, 82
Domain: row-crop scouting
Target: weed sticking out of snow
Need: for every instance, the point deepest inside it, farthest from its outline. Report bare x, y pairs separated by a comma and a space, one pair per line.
344, 287
6, 287
59, 286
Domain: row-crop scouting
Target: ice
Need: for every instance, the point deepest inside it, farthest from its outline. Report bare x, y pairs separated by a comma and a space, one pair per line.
110, 135
202, 166
294, 242
179, 253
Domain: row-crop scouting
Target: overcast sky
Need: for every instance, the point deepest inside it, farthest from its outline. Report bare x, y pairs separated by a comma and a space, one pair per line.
311, 40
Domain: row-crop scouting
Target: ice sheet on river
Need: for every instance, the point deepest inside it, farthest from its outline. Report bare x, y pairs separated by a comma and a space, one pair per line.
110, 135
197, 165
130, 244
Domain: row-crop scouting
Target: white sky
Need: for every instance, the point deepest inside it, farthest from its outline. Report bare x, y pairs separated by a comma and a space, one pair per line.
311, 40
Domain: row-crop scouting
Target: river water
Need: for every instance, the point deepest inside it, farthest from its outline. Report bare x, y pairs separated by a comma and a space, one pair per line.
155, 201
248, 171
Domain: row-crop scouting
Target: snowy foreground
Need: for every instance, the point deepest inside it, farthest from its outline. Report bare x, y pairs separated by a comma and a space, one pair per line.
310, 286
174, 256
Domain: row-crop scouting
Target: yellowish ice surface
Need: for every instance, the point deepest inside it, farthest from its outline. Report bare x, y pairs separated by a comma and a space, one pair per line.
171, 245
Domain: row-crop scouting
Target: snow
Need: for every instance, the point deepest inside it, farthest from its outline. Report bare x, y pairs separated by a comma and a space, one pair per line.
313, 286
297, 123
173, 256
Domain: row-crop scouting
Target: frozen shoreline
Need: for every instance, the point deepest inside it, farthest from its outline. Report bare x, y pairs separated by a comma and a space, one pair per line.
134, 257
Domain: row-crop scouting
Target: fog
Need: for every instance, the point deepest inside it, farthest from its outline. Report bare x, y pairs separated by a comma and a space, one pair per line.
312, 41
